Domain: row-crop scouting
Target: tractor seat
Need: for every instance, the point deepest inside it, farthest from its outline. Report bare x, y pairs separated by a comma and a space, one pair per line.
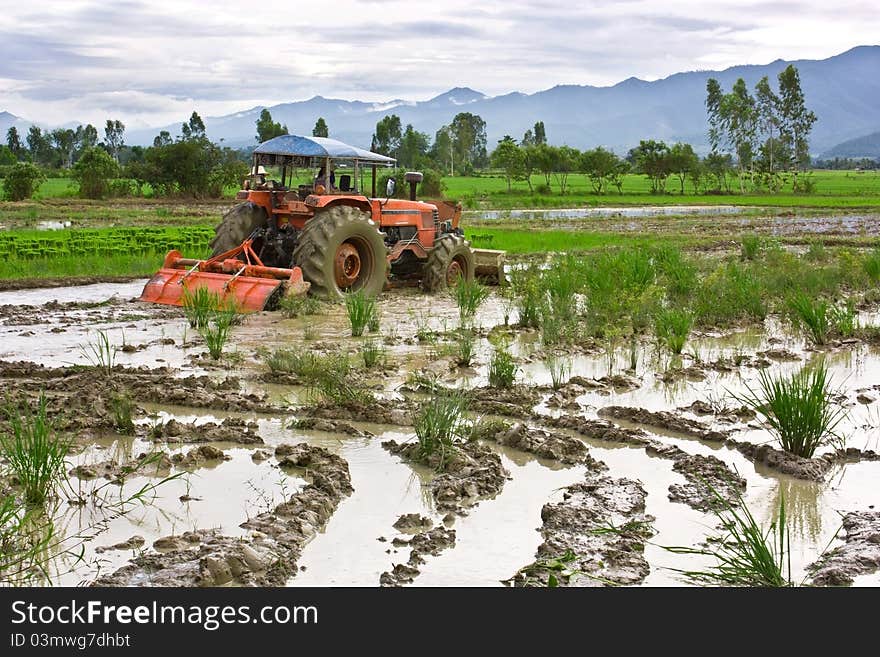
345, 183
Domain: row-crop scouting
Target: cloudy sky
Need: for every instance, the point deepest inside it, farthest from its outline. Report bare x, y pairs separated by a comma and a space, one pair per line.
150, 63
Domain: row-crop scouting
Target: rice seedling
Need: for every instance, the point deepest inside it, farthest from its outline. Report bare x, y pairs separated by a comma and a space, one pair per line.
372, 353
746, 554
871, 265
845, 319
361, 311
307, 365
469, 296
502, 368
465, 347
122, 408
297, 306
798, 409
529, 297
817, 251
199, 306
310, 333
374, 323
811, 315
560, 369
33, 452
672, 326
337, 387
729, 294
439, 422
750, 247
216, 332
100, 354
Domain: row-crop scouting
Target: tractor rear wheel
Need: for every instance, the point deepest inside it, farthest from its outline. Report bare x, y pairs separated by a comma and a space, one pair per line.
451, 259
340, 250
236, 226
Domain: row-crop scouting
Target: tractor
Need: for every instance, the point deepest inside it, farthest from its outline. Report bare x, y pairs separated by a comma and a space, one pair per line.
326, 238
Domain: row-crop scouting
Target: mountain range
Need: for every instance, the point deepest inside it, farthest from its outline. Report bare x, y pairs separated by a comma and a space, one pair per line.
843, 91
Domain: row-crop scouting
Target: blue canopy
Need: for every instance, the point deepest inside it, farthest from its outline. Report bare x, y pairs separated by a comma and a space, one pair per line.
296, 146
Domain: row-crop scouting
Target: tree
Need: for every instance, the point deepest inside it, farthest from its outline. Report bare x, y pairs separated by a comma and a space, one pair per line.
599, 165
682, 160
508, 157
529, 163
545, 160
540, 133
268, 129
85, 137
320, 129
652, 159
93, 171
796, 121
113, 137
7, 157
22, 180
162, 139
386, 139
39, 145
468, 132
567, 161
413, 147
13, 140
443, 150
767, 104
528, 138
733, 123
719, 166
194, 128
64, 140
714, 96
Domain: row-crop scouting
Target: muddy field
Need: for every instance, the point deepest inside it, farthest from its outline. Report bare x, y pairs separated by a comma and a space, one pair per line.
593, 480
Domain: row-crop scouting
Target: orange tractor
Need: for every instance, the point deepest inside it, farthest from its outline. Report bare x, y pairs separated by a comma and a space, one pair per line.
327, 238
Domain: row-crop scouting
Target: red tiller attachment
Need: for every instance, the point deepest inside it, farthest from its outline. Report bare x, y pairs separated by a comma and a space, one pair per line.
249, 282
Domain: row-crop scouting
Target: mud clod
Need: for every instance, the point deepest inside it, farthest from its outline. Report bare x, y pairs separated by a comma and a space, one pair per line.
431, 542
594, 537
662, 420
859, 555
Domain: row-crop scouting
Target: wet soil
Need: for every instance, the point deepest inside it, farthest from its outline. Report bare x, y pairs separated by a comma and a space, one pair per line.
859, 554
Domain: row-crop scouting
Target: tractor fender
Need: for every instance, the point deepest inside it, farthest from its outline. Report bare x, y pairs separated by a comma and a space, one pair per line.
329, 201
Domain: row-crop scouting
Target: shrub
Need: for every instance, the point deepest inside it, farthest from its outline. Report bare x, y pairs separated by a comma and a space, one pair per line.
22, 180
94, 171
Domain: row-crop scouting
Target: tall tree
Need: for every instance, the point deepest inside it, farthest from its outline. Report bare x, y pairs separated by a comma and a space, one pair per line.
386, 139
267, 128
113, 137
528, 138
714, 96
767, 104
194, 128
413, 147
652, 159
682, 162
567, 162
443, 150
162, 139
320, 129
508, 157
86, 137
13, 140
796, 121
39, 145
469, 140
540, 133
64, 140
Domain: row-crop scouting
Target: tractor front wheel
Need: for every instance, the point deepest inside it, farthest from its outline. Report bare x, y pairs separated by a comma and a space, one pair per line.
451, 259
341, 249
237, 225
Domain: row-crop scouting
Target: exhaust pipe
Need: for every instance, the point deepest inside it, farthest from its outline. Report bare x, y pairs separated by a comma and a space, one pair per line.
413, 178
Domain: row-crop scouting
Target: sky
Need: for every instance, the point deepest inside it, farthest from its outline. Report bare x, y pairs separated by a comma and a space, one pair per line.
152, 63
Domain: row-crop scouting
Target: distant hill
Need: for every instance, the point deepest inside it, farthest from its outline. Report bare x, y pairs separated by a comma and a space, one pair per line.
843, 90
8, 120
864, 146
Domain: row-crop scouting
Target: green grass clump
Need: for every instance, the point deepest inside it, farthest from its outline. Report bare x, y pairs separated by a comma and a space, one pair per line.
439, 422
100, 354
33, 452
469, 296
672, 327
813, 316
560, 369
745, 553
309, 366
845, 319
296, 306
199, 306
502, 368
372, 353
361, 311
728, 295
465, 347
798, 409
122, 408
218, 328
750, 247
871, 265
529, 296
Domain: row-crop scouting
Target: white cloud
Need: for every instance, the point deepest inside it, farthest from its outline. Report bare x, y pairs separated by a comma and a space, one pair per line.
149, 63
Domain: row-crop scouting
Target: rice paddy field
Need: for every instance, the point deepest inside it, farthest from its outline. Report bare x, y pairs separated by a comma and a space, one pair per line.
662, 394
